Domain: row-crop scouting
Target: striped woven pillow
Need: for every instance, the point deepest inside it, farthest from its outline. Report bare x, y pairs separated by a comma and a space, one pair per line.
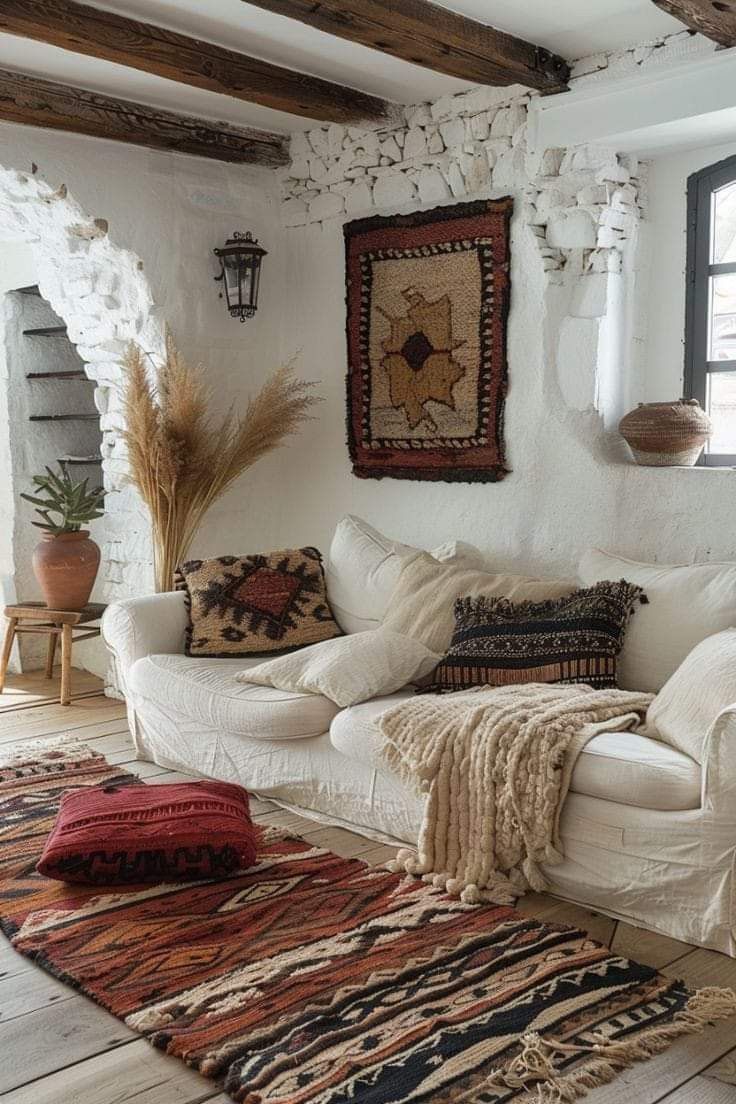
572, 639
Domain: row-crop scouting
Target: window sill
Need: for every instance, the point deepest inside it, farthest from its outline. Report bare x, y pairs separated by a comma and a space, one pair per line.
682, 467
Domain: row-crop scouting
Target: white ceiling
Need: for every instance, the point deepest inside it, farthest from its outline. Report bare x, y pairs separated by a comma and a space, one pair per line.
572, 28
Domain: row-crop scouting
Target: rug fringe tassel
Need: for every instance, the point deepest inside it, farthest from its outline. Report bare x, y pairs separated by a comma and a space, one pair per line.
534, 1067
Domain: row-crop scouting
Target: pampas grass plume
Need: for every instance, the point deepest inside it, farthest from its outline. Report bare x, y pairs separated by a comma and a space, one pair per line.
181, 459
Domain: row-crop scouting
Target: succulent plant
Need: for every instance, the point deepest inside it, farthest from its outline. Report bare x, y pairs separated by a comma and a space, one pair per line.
74, 502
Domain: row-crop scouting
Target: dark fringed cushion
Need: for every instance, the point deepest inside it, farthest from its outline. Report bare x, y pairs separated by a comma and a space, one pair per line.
122, 834
248, 605
573, 639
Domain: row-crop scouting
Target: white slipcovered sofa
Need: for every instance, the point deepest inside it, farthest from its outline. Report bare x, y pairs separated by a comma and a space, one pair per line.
649, 831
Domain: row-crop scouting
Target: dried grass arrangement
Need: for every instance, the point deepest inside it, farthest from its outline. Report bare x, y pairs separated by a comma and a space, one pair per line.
181, 460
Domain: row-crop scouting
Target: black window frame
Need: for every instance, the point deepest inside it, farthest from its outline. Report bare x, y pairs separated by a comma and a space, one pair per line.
701, 186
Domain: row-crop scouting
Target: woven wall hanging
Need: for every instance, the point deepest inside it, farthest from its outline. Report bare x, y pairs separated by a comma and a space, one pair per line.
427, 303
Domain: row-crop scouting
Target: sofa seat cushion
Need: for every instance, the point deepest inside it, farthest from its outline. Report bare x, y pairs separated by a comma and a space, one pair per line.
206, 690
624, 767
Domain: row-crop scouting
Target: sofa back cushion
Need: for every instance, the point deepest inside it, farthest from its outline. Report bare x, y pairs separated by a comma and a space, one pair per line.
363, 567
243, 605
702, 686
685, 604
422, 603
352, 669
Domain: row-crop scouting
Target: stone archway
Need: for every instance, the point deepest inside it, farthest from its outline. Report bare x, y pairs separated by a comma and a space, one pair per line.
100, 291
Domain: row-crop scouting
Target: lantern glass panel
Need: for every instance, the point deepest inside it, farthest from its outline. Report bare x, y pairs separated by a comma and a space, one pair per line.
256, 280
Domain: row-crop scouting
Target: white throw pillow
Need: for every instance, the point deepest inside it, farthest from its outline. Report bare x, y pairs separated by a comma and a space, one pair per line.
688, 703
362, 569
348, 669
685, 604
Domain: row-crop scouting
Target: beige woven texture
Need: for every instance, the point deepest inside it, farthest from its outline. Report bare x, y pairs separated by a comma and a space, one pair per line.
496, 764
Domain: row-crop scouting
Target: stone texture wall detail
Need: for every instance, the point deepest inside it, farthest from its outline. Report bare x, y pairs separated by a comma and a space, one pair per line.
580, 203
457, 146
100, 291
583, 205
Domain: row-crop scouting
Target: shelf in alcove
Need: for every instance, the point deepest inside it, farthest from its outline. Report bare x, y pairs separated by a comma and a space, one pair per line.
44, 331
64, 418
32, 289
76, 373
80, 460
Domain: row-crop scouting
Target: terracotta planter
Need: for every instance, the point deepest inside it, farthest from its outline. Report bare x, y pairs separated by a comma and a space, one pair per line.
666, 434
66, 568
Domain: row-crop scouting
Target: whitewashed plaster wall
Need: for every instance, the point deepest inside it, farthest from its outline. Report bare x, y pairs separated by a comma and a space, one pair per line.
122, 242
663, 361
575, 342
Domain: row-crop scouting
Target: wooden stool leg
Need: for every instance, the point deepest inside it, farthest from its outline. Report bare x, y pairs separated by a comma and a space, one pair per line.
51, 655
66, 664
7, 647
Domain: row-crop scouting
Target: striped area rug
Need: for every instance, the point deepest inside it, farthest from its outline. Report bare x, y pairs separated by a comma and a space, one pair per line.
312, 979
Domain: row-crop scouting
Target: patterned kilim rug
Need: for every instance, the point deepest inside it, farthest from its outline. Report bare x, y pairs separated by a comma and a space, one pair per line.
311, 979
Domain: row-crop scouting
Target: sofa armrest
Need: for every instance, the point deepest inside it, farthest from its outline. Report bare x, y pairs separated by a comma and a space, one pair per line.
152, 625
719, 769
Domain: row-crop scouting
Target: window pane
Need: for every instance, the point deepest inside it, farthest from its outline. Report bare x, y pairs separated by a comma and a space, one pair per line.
722, 409
723, 246
722, 344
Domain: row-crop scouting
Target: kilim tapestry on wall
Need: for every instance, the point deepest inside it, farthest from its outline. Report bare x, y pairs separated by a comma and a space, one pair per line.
427, 303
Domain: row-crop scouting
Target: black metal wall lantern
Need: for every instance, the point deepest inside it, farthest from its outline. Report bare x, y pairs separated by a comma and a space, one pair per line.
240, 260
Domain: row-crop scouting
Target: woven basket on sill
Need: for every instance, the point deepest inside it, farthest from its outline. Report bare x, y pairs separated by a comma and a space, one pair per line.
662, 434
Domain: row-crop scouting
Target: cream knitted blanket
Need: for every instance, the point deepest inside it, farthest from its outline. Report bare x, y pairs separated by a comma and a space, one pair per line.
495, 764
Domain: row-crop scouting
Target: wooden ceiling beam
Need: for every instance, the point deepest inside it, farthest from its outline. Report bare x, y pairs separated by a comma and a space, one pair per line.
715, 19
165, 53
432, 36
34, 102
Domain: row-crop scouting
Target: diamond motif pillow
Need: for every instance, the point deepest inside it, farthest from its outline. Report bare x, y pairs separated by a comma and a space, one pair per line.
245, 605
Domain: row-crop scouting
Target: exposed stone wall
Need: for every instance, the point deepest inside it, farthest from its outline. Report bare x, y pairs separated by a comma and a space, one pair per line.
459, 145
103, 296
582, 203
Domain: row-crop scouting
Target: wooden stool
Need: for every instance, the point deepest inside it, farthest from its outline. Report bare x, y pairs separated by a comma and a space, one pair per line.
55, 623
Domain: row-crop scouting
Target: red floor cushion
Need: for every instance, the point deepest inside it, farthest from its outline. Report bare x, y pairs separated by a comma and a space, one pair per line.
117, 834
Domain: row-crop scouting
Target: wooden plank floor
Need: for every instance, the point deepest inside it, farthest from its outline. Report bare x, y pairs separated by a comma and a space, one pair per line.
56, 1047
26, 691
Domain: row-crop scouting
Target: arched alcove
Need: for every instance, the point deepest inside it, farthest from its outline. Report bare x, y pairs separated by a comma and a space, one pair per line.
102, 295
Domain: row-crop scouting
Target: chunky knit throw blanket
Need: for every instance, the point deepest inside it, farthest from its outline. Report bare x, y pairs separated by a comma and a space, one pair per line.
495, 764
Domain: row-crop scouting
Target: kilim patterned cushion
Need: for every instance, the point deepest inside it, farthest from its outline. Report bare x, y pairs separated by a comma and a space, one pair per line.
244, 605
572, 639
118, 834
